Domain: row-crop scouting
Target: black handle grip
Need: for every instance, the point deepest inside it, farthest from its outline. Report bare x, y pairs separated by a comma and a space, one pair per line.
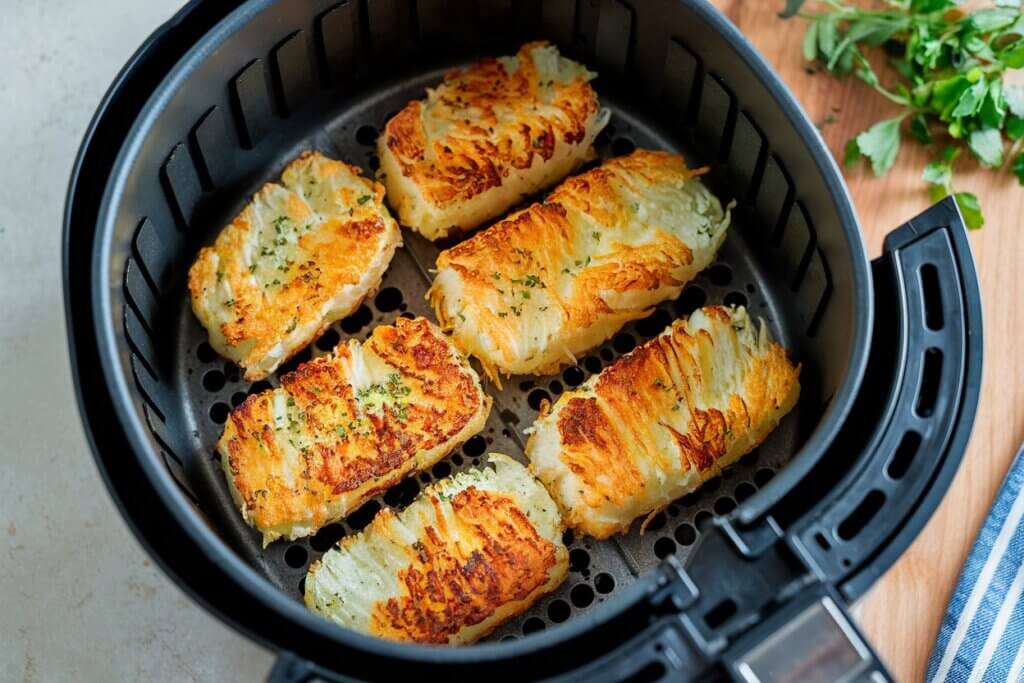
920, 393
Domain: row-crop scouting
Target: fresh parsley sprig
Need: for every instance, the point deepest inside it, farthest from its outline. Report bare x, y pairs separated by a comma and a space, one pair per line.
949, 65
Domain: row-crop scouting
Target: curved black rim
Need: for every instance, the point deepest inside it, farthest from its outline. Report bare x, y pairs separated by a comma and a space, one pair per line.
94, 358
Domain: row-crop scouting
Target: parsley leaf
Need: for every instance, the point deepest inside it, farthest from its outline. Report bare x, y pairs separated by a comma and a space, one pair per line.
881, 144
970, 207
948, 64
987, 145
1018, 168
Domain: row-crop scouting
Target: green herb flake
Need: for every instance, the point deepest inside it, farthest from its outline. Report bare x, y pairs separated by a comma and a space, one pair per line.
949, 62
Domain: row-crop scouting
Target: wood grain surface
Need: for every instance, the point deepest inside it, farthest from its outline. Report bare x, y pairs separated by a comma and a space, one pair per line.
902, 613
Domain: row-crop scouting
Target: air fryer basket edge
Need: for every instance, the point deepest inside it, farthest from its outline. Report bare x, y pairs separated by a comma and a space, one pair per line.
158, 473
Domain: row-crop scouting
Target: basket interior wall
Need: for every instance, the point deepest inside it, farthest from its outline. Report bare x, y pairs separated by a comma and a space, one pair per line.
291, 76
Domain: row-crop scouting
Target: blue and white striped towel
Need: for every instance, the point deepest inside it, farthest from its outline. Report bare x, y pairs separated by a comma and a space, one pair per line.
982, 634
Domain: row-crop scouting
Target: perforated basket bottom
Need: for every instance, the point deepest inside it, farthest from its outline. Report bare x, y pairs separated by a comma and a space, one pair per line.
210, 387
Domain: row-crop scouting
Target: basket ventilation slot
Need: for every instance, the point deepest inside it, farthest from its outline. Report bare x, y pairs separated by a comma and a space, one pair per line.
682, 69
558, 20
140, 296
295, 79
210, 139
747, 159
774, 197
336, 32
183, 184
254, 109
152, 251
716, 118
613, 36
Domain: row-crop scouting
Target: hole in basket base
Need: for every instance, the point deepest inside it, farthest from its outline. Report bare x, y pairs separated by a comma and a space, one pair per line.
573, 376
690, 300
214, 380
366, 135
720, 613
205, 353
579, 560
219, 413
537, 397
363, 516
702, 519
624, 342
559, 611
686, 534
581, 595
296, 556
358, 320
328, 340
720, 274
763, 476
664, 547
325, 539
388, 299
604, 583
532, 625
735, 299
474, 447
402, 494
744, 490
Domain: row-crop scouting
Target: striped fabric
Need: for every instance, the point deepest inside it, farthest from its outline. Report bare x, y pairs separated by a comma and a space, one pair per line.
982, 634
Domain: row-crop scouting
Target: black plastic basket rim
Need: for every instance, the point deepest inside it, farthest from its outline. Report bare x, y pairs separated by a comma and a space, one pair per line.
215, 549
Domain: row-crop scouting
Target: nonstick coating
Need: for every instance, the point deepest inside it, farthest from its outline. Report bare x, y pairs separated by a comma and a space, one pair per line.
208, 386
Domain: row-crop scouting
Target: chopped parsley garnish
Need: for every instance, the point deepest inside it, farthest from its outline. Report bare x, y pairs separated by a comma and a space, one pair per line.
365, 198
281, 223
391, 394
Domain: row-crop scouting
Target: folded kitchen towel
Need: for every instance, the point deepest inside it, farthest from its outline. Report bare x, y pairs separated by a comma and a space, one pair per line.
982, 634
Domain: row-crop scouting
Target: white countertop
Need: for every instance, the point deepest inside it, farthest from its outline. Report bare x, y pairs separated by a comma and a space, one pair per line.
79, 598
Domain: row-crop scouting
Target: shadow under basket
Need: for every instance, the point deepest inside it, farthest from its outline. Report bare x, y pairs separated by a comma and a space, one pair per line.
747, 577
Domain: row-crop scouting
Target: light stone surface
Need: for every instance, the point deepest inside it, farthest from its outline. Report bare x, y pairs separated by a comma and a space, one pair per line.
79, 598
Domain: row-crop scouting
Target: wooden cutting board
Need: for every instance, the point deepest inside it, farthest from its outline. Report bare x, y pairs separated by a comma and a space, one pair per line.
902, 613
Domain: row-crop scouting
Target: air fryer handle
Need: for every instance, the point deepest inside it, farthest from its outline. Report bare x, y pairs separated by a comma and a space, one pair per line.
910, 423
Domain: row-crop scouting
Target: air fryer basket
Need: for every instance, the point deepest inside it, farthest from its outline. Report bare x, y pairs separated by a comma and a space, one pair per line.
218, 101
